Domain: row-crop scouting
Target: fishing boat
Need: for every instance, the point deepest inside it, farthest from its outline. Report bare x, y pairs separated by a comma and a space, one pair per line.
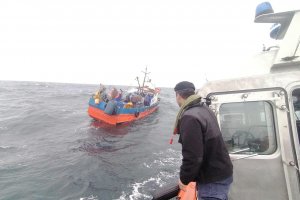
118, 106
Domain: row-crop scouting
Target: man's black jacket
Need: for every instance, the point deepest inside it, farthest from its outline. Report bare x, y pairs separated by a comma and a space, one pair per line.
205, 157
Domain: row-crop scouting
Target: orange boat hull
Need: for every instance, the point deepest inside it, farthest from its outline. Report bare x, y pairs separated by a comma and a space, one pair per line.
119, 118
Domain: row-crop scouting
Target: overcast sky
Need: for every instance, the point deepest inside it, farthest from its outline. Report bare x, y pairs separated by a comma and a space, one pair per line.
112, 41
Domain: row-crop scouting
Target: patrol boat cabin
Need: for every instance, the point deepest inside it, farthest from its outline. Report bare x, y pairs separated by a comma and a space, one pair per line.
259, 117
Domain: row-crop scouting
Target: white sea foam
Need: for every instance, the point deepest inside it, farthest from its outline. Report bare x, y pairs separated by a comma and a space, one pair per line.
3, 128
136, 193
122, 197
89, 198
166, 159
5, 147
170, 158
137, 188
146, 165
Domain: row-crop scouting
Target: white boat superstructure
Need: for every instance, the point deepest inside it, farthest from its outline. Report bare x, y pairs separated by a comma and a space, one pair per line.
260, 121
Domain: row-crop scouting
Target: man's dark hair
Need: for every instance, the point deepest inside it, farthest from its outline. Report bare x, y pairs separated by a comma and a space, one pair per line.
185, 93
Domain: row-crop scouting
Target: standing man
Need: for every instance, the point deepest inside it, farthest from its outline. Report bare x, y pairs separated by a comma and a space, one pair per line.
205, 157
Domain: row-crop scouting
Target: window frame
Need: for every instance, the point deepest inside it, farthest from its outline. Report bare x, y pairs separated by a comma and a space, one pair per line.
214, 103
271, 142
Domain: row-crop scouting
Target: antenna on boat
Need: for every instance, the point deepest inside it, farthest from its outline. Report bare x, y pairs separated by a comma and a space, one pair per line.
137, 78
145, 75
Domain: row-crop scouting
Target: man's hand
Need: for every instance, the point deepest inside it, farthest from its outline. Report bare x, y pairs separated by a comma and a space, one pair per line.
181, 185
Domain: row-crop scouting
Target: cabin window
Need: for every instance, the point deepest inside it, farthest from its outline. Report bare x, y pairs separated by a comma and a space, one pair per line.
248, 127
296, 104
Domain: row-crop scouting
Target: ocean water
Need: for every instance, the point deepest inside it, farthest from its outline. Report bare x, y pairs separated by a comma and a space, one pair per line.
51, 149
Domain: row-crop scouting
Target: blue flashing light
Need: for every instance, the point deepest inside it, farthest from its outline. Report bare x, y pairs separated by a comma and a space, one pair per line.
263, 8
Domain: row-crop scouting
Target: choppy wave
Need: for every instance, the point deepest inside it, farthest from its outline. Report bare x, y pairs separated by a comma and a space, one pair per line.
51, 149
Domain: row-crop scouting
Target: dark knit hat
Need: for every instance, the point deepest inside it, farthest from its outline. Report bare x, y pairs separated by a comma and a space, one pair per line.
184, 86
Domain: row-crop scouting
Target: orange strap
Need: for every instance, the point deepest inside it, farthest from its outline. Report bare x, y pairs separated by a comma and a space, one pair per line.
190, 193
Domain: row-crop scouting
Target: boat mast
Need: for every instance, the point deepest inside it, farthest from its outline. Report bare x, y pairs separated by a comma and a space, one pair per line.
137, 78
145, 75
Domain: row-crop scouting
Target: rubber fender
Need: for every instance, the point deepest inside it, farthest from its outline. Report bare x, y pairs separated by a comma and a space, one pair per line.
167, 192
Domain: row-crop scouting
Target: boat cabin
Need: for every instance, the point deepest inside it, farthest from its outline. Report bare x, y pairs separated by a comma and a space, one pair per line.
259, 117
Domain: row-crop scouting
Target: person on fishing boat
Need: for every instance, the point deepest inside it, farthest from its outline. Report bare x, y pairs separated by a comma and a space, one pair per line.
100, 95
205, 158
